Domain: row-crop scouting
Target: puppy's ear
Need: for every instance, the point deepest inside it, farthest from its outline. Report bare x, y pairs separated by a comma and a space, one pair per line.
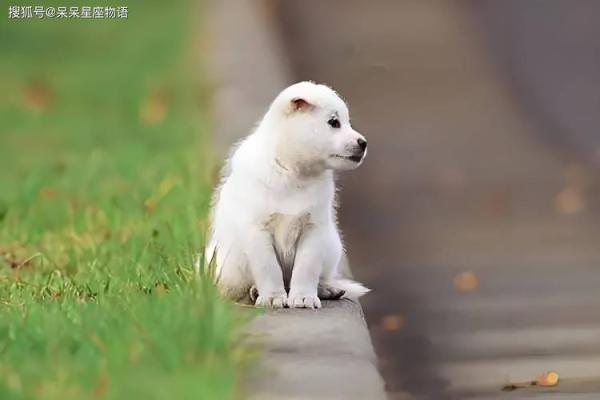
300, 104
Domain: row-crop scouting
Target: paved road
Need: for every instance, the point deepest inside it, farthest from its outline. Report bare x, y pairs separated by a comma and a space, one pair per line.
479, 233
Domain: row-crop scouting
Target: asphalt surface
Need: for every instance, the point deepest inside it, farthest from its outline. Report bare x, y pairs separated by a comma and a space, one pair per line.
478, 230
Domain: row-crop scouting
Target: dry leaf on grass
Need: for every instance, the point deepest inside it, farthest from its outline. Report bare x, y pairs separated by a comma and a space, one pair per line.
37, 96
154, 109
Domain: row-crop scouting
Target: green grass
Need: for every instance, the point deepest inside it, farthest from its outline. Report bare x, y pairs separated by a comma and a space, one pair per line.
104, 191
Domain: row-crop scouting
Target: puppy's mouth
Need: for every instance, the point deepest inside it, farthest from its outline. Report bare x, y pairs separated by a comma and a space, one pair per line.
353, 158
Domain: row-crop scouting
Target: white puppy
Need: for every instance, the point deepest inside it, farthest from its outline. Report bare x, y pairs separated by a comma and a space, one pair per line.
274, 224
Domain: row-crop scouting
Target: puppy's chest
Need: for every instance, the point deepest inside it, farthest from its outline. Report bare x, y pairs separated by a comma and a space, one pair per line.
290, 198
287, 232
290, 204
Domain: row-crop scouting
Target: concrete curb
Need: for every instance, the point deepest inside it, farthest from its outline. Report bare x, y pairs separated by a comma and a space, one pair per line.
325, 354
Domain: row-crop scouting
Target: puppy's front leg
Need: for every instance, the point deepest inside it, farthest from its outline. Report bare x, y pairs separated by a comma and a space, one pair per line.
315, 250
265, 269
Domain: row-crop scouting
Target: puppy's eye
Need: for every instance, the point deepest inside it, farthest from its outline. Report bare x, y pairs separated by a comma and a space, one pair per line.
334, 122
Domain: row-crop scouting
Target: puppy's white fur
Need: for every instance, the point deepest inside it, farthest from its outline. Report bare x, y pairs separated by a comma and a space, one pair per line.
273, 220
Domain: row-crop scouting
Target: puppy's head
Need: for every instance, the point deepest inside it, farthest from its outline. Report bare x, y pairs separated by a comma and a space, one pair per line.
313, 128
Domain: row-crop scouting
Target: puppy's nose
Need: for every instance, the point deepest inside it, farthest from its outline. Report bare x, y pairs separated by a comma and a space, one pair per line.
362, 143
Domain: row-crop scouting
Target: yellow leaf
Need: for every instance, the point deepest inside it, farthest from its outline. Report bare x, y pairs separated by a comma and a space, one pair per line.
548, 379
466, 281
392, 322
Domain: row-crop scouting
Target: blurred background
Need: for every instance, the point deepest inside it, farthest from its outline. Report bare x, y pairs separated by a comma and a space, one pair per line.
475, 218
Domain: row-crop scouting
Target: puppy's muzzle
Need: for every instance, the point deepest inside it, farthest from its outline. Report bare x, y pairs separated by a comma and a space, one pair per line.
362, 144
359, 150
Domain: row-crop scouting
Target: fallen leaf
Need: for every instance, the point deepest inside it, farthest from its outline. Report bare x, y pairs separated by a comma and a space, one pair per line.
393, 322
154, 109
37, 96
466, 281
548, 379
101, 386
47, 193
164, 187
569, 201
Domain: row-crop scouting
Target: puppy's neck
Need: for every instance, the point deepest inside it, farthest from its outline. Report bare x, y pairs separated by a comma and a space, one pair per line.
298, 170
289, 163
285, 160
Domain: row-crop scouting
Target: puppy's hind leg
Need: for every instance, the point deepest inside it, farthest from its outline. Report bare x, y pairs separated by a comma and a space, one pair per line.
233, 277
326, 291
333, 285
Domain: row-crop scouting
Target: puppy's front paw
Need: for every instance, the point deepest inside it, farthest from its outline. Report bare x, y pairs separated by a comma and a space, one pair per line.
272, 300
304, 301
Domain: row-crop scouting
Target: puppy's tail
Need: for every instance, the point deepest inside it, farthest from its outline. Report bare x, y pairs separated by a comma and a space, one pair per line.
353, 290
